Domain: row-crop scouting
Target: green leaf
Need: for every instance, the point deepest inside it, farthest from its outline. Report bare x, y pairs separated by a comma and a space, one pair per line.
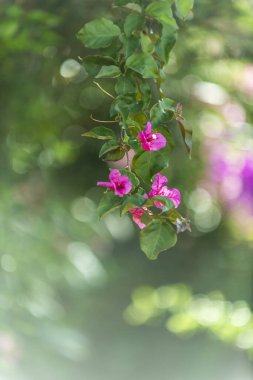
143, 64
109, 72
101, 133
108, 147
115, 155
125, 105
98, 33
125, 85
161, 11
132, 201
147, 164
158, 236
108, 203
93, 63
186, 133
162, 112
124, 2
184, 7
166, 202
167, 41
133, 7
146, 44
130, 44
132, 23
134, 180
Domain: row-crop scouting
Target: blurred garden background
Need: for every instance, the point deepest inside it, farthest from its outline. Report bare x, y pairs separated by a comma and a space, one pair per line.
78, 299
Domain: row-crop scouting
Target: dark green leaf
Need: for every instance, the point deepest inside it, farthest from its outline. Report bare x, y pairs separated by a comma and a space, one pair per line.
167, 41
132, 23
109, 72
125, 85
162, 112
93, 63
108, 203
184, 7
161, 11
98, 33
186, 133
108, 147
114, 155
143, 64
130, 44
101, 133
124, 2
132, 201
158, 236
146, 164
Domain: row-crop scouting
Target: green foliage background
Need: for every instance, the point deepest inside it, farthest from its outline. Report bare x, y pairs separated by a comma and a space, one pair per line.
66, 278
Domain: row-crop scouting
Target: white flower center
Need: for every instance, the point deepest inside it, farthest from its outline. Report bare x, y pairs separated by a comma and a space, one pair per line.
154, 137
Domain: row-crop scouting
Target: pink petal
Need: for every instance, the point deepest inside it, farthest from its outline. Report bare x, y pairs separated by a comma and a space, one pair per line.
148, 128
137, 215
109, 185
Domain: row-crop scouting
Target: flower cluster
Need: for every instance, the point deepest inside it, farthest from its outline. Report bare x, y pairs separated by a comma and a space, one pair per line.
121, 185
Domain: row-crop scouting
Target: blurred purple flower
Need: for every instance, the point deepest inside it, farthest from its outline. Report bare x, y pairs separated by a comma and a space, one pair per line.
119, 183
158, 188
151, 141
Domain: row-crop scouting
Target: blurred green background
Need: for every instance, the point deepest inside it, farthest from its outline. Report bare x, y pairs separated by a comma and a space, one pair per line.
78, 298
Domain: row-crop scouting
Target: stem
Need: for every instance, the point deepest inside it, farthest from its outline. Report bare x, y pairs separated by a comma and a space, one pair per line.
103, 121
103, 90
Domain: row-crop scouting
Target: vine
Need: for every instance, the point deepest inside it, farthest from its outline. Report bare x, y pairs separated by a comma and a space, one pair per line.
133, 53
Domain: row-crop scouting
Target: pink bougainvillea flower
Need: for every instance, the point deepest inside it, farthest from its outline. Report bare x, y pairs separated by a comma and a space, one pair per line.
158, 188
137, 215
151, 140
119, 183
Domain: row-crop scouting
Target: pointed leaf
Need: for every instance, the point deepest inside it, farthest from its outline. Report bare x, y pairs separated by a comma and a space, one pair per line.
93, 63
132, 23
146, 164
143, 64
108, 203
158, 236
167, 41
161, 11
109, 72
98, 33
101, 133
184, 7
108, 147
125, 85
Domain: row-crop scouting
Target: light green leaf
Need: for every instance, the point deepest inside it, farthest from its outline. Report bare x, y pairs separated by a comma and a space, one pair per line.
166, 202
184, 7
101, 133
108, 203
158, 236
161, 11
124, 2
109, 72
143, 64
98, 33
146, 44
